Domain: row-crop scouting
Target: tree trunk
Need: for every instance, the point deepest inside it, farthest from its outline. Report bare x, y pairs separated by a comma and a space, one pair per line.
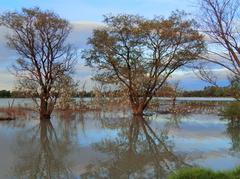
44, 112
174, 102
137, 110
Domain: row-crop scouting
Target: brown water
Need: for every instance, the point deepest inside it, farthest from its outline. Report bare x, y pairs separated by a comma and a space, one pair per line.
114, 145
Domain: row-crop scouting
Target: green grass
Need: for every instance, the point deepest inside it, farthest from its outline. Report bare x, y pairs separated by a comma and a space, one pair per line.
201, 173
232, 111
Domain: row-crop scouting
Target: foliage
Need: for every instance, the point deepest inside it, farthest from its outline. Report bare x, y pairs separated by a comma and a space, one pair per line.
140, 54
201, 173
67, 87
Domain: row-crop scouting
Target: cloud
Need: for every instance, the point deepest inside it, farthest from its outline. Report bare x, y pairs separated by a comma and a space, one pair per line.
83, 75
6, 53
190, 81
81, 32
6, 80
221, 73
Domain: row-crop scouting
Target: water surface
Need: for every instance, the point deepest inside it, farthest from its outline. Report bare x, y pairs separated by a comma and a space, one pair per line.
115, 145
4, 102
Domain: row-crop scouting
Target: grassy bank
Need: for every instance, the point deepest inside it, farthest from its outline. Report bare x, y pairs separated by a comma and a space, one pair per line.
201, 173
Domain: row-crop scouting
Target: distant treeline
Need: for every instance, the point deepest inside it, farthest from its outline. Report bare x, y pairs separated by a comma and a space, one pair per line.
20, 94
12, 94
210, 91
5, 94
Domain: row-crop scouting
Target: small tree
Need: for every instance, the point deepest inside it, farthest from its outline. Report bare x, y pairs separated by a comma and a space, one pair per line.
175, 87
68, 88
235, 87
44, 59
140, 54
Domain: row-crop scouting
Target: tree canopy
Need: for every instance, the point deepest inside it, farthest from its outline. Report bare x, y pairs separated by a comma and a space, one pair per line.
140, 54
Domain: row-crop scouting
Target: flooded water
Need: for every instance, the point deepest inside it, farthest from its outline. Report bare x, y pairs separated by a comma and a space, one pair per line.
115, 145
29, 102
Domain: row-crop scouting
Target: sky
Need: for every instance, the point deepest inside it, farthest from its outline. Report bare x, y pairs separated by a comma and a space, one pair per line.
86, 15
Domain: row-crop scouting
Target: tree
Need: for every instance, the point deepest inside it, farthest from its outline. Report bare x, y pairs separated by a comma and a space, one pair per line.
220, 24
140, 54
39, 38
68, 89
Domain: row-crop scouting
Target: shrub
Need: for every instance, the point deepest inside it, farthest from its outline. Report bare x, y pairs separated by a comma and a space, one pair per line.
232, 110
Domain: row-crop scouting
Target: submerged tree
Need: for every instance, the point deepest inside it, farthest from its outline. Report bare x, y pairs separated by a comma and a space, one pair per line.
140, 54
39, 38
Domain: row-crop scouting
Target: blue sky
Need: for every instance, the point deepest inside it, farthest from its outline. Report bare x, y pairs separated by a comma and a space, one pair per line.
85, 15
92, 10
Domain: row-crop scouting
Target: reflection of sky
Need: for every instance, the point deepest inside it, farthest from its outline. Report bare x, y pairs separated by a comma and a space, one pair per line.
4, 102
92, 131
203, 138
196, 132
95, 135
217, 163
201, 145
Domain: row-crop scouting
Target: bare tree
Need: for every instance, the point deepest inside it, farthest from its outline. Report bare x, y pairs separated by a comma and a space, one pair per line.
44, 58
220, 24
175, 87
140, 54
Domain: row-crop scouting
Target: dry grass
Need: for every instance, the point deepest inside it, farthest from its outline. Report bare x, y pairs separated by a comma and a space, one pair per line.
11, 113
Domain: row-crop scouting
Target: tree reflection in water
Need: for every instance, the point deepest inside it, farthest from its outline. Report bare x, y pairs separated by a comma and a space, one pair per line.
138, 152
233, 131
44, 154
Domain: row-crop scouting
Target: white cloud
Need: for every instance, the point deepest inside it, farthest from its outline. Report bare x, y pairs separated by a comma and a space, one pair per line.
81, 32
6, 53
190, 81
221, 73
6, 80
